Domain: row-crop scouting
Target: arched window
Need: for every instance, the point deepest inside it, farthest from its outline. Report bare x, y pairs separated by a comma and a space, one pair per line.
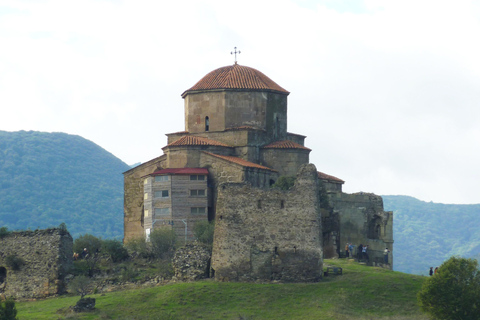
207, 123
378, 231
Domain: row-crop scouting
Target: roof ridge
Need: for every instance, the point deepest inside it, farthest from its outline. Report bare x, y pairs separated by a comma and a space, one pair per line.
196, 140
285, 144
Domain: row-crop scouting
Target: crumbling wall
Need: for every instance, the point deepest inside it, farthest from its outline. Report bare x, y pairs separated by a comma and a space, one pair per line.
362, 220
45, 258
269, 234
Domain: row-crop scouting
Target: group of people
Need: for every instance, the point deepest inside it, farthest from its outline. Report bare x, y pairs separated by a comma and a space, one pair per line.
363, 252
83, 255
432, 272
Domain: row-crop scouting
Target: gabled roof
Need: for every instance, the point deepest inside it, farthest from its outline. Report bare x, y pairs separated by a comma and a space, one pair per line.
239, 161
285, 144
180, 171
236, 77
196, 141
324, 176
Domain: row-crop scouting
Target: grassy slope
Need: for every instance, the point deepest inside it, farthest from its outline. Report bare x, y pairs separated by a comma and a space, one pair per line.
361, 293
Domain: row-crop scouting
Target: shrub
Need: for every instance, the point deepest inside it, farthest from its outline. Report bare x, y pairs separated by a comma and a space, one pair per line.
14, 262
454, 292
203, 232
115, 249
4, 232
8, 311
284, 183
138, 246
80, 285
92, 243
162, 242
81, 267
129, 273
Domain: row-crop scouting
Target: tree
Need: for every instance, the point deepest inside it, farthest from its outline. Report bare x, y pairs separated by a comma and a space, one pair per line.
203, 231
81, 285
115, 249
454, 292
93, 246
8, 311
162, 242
284, 183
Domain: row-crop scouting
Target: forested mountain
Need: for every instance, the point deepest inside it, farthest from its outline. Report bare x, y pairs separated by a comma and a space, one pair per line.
427, 233
50, 178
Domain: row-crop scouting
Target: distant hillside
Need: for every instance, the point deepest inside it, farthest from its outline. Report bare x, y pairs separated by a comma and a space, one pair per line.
428, 233
50, 178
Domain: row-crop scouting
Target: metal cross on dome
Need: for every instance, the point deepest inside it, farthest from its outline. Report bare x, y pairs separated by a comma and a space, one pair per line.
235, 52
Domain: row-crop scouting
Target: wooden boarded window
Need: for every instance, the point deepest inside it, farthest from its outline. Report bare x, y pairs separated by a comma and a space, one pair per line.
161, 194
197, 210
197, 193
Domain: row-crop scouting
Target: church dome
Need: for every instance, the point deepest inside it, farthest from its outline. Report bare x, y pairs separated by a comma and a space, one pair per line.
236, 77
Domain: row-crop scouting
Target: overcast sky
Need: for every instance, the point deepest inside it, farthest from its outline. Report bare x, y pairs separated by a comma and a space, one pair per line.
387, 92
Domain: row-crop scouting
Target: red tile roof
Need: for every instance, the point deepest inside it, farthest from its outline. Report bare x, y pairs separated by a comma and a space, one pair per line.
239, 161
285, 144
196, 141
236, 77
180, 171
324, 176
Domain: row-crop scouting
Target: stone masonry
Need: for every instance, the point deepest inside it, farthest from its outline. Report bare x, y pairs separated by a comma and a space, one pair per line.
269, 234
46, 257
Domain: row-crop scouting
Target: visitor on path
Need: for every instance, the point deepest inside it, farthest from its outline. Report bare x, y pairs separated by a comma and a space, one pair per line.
351, 248
365, 253
360, 252
431, 271
385, 255
347, 251
436, 270
84, 253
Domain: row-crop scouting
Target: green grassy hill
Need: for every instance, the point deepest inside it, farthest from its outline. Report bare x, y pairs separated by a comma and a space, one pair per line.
360, 293
50, 178
428, 233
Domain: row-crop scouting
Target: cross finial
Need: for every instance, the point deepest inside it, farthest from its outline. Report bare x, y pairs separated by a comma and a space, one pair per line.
235, 52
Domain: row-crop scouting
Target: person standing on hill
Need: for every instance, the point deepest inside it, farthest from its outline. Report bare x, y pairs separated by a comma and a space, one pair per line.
350, 249
347, 251
365, 253
360, 252
436, 270
431, 271
385, 255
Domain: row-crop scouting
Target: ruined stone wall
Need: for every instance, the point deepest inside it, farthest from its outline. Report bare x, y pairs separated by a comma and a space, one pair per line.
46, 256
363, 221
269, 234
133, 197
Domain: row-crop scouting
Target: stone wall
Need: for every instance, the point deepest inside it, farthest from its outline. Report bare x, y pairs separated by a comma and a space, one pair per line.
133, 197
362, 220
46, 256
269, 234
285, 161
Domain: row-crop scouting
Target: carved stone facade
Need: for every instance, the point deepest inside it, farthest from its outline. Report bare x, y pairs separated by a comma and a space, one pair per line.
43, 259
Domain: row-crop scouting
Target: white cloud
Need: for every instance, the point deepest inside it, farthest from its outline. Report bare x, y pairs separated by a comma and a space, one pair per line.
386, 91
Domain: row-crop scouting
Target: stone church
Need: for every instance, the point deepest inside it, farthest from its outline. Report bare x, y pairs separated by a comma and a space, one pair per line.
235, 146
